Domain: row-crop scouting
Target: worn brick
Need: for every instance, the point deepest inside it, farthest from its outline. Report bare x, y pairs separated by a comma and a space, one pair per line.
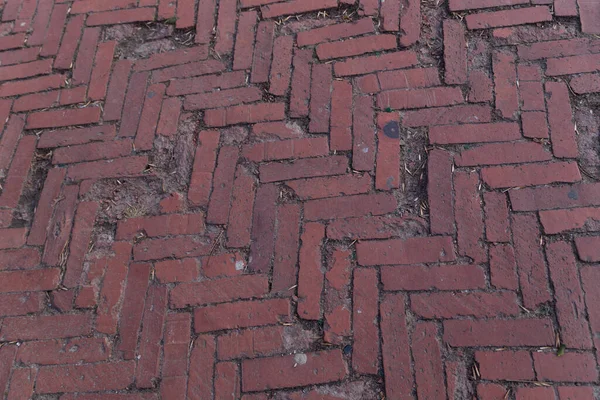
439, 189
384, 62
468, 133
453, 277
562, 130
286, 248
409, 251
496, 332
349, 206
531, 174
310, 277
527, 15
505, 365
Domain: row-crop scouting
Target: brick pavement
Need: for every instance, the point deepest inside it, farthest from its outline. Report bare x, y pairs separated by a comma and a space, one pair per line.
302, 199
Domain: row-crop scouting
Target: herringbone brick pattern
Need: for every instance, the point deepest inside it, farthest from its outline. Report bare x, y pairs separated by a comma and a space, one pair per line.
301, 199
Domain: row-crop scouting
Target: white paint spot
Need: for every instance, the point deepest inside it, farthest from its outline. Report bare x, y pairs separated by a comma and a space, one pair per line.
300, 358
239, 265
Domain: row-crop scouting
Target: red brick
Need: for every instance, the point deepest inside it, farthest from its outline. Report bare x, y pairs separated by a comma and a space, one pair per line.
320, 98
22, 382
51, 38
458, 5
133, 307
491, 391
367, 84
576, 392
185, 14
263, 51
218, 291
50, 192
161, 225
151, 337
258, 112
85, 377
26, 258
429, 372
169, 117
225, 26
188, 70
408, 78
42, 83
241, 314
144, 138
219, 205
572, 65
497, 227
240, 217
503, 153
185, 270
293, 148
227, 381
531, 174
387, 175
75, 136
45, 327
263, 228
173, 57
528, 72
7, 356
16, 178
409, 251
390, 15
474, 304
570, 367
12, 237
101, 72
40, 22
480, 87
452, 277
72, 95
85, 55
280, 75
205, 21
296, 7
125, 166
251, 343
384, 62
12, 41
244, 42
204, 165
526, 15
111, 293
562, 130
70, 351
455, 52
86, 6
505, 365
439, 189
530, 260
180, 246
368, 7
13, 304
201, 368
570, 308
363, 154
355, 47
253, 3
310, 277
293, 370
558, 221
365, 355
300, 93
111, 396
372, 227
116, 90
468, 213
59, 118
532, 96
587, 248
588, 15
505, 84
419, 98
410, 23
304, 168
335, 32
222, 98
19, 56
286, 248
555, 48
176, 348
134, 101
59, 228
585, 83
495, 332
535, 393
276, 130
315, 188
468, 133
544, 198
121, 16
92, 151
534, 124
349, 206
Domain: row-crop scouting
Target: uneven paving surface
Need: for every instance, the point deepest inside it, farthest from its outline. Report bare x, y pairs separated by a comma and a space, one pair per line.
307, 199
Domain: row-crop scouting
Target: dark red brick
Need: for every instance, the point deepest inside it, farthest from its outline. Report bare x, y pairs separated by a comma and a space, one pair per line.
505, 365
587, 248
218, 291
304, 168
572, 65
439, 190
492, 132
42, 83
496, 332
26, 258
263, 228
188, 70
315, 188
258, 112
205, 21
101, 72
531, 174
244, 42
469, 218
526, 15
387, 175
558, 221
173, 57
225, 26
115, 95
474, 304
50, 192
124, 166
85, 377
59, 118
45, 327
372, 227
133, 307
562, 130
544, 198
121, 16
293, 370
419, 98
503, 153
349, 206
455, 52
534, 124
280, 75
241, 314
14, 304
300, 93
263, 51
363, 154
429, 372
204, 165
82, 69
384, 62
286, 248
409, 251
320, 98
310, 277
570, 367
240, 217
52, 36
355, 47
408, 78
451, 277
59, 351
296, 7
410, 23
335, 32
184, 270
365, 355
497, 227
